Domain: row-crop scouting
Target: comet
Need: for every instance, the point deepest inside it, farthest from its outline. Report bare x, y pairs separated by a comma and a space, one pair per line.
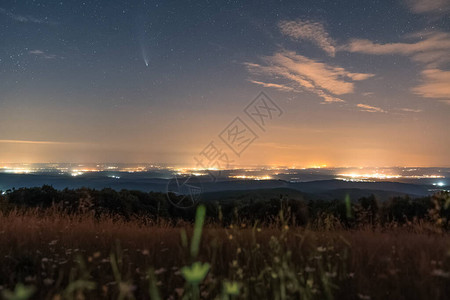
144, 56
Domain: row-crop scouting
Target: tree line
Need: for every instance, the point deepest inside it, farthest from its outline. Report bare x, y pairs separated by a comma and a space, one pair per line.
244, 209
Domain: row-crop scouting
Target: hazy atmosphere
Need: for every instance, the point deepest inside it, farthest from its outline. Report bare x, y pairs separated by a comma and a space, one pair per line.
357, 83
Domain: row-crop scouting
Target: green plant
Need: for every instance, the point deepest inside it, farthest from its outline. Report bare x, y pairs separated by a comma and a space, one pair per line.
21, 292
76, 287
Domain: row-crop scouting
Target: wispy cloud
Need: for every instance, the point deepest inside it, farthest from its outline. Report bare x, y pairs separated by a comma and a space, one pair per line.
297, 72
411, 110
429, 6
430, 48
370, 108
42, 54
25, 18
273, 85
435, 84
310, 31
34, 142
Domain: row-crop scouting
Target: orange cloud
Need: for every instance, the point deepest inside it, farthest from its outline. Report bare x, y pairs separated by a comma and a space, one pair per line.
369, 108
33, 142
431, 48
299, 72
436, 84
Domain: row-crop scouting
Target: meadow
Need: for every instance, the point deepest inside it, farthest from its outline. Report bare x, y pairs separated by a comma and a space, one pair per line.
49, 254
91, 244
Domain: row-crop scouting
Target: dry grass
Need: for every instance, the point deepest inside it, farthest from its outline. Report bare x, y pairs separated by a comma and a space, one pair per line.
46, 250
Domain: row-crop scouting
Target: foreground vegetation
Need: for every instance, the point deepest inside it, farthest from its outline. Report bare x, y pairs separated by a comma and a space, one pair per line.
49, 252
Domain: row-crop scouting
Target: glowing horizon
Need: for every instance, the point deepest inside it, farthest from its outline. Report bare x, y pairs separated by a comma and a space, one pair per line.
134, 82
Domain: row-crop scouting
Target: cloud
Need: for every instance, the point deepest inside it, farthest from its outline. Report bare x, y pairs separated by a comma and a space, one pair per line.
297, 72
273, 85
311, 31
36, 52
369, 108
428, 6
430, 48
435, 84
34, 142
42, 54
25, 19
410, 110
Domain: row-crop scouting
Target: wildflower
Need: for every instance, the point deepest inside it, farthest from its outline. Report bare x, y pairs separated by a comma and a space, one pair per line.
31, 278
309, 269
440, 273
321, 249
204, 294
179, 292
363, 297
195, 273
126, 288
48, 281
160, 271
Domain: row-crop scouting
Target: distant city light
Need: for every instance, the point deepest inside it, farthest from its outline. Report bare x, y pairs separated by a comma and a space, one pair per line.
373, 175
18, 171
265, 177
387, 176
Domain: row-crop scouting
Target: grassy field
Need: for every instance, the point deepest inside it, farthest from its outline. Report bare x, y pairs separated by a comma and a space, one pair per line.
49, 255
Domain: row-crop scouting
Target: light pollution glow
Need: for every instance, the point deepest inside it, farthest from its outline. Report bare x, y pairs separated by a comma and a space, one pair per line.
140, 81
250, 173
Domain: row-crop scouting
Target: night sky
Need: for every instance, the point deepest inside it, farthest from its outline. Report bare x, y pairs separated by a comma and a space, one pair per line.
359, 83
